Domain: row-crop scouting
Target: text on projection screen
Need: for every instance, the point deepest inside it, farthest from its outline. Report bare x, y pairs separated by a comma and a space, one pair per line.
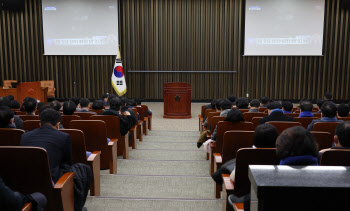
80, 27
284, 27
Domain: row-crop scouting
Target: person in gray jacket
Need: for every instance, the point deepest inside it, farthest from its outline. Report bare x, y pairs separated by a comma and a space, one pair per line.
254, 106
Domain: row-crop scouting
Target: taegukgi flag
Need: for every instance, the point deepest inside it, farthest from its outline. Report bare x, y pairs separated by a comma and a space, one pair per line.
118, 77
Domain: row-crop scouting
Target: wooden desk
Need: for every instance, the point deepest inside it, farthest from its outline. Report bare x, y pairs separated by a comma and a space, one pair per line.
6, 92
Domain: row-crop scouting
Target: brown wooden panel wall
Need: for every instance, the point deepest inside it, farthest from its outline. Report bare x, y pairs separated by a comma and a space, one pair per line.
179, 35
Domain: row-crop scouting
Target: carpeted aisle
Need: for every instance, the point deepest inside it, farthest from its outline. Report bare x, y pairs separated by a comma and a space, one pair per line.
165, 172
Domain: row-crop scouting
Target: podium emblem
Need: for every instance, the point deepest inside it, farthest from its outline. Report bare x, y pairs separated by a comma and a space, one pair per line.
177, 98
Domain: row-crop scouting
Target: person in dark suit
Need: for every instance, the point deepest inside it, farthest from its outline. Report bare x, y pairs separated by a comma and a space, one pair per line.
17, 121
242, 103
264, 101
69, 108
97, 105
29, 105
57, 144
104, 99
275, 114
329, 114
6, 118
125, 107
287, 107
125, 122
343, 110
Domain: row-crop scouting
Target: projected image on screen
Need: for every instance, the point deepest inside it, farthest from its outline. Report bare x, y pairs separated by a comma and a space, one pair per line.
284, 27
80, 27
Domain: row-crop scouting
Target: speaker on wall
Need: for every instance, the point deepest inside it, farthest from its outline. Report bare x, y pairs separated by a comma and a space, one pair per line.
346, 4
12, 4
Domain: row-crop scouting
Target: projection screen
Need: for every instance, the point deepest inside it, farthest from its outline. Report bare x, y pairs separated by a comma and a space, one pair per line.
284, 27
80, 27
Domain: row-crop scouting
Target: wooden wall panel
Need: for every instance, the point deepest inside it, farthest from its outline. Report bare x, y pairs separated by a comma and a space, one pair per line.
179, 35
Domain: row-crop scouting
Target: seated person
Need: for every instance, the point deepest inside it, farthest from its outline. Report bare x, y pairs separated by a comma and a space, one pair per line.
329, 114
76, 101
328, 96
264, 101
232, 98
264, 137
287, 107
17, 121
14, 104
29, 105
306, 109
56, 105
341, 138
125, 107
69, 108
234, 115
125, 122
254, 106
12, 200
217, 107
6, 118
225, 106
39, 105
59, 149
97, 105
275, 114
343, 110
242, 103
297, 146
104, 99
319, 103
84, 106
10, 97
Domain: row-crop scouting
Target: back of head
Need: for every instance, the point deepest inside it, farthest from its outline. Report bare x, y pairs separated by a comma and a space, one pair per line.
225, 104
75, 100
235, 115
306, 105
111, 96
328, 95
320, 102
343, 133
265, 136
343, 110
84, 102
97, 105
4, 101
50, 116
124, 100
329, 109
296, 141
104, 96
39, 105
254, 103
10, 97
14, 104
5, 116
287, 105
132, 102
44, 107
242, 103
217, 104
265, 100
55, 105
115, 104
274, 105
232, 98
213, 104
69, 108
29, 104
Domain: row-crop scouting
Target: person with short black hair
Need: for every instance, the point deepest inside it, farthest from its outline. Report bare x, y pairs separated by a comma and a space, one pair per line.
297, 146
97, 105
10, 97
264, 101
6, 118
343, 110
254, 106
76, 101
306, 109
39, 105
225, 106
287, 107
125, 108
328, 96
125, 122
319, 103
265, 136
104, 98
110, 97
275, 114
84, 106
29, 105
329, 114
132, 102
17, 121
232, 98
242, 103
14, 104
341, 138
69, 108
56, 105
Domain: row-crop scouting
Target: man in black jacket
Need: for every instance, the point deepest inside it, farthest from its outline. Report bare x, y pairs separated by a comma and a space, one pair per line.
125, 107
275, 114
125, 122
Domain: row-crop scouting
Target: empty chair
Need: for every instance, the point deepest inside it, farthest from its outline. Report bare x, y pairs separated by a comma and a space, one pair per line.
67, 118
200, 116
26, 170
148, 116
255, 121
281, 126
29, 117
215, 121
305, 121
335, 157
95, 132
323, 139
262, 109
210, 117
113, 132
249, 116
326, 127
30, 125
10, 136
84, 115
79, 156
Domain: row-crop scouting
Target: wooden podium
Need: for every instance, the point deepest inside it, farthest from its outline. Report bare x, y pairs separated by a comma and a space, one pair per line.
32, 89
177, 100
